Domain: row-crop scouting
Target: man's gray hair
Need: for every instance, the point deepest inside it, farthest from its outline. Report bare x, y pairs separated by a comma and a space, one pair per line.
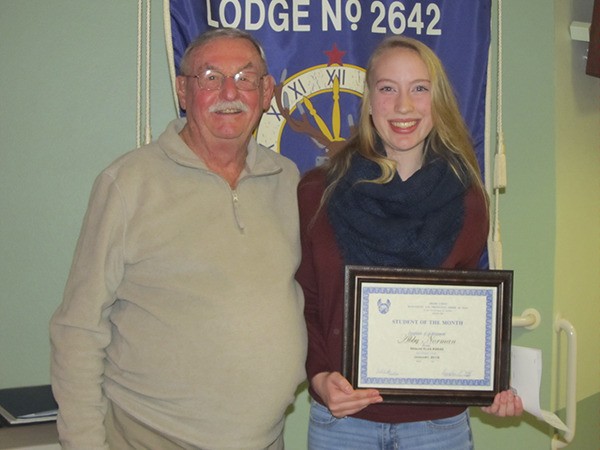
217, 33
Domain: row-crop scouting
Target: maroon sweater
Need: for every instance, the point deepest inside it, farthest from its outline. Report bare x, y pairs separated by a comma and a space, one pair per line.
321, 275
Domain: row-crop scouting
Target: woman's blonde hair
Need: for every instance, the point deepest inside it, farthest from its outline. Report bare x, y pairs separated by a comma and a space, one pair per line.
449, 137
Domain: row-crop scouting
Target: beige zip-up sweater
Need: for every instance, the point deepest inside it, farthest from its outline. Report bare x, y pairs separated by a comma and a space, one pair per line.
181, 304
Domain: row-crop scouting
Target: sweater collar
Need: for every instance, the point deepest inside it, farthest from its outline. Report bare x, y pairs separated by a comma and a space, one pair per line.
259, 161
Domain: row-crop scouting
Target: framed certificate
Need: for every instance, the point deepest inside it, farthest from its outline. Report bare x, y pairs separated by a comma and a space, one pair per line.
428, 336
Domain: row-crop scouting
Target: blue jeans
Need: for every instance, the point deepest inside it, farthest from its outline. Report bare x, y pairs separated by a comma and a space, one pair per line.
326, 432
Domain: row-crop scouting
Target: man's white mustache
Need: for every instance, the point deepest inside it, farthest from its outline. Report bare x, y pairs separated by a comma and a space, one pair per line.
224, 106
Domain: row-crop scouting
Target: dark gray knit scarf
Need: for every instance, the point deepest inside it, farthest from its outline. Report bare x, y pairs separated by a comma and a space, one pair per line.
412, 223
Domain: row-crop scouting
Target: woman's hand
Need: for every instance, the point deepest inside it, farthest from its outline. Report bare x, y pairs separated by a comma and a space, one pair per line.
506, 404
339, 396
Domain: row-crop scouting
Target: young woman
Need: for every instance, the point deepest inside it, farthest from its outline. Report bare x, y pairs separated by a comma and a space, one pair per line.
404, 192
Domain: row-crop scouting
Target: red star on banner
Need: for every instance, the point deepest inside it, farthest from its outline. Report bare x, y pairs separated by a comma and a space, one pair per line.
335, 55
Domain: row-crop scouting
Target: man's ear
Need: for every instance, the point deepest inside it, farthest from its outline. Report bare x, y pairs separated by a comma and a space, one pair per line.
268, 89
181, 88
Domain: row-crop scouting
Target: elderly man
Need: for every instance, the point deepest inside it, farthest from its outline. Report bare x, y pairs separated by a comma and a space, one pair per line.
181, 324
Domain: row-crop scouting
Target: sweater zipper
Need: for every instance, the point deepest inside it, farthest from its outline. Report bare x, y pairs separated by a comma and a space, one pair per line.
236, 210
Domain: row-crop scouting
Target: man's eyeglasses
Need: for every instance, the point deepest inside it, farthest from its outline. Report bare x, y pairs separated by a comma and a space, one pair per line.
212, 80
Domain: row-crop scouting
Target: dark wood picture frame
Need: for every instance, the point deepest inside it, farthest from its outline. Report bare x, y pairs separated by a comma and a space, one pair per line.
455, 288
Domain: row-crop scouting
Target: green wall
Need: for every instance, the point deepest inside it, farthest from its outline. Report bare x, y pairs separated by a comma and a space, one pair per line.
577, 253
67, 108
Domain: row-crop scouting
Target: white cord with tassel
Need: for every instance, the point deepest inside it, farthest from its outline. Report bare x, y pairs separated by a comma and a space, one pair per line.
143, 129
170, 52
500, 179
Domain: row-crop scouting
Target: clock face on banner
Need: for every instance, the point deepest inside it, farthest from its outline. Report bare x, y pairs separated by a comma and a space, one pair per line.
312, 112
